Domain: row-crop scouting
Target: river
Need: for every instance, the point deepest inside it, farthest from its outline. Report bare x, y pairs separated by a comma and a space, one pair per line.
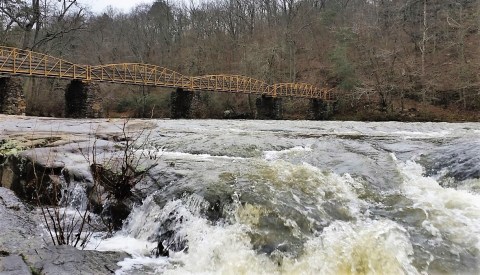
307, 197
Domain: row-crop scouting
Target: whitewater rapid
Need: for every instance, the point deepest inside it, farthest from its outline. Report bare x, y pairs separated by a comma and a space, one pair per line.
365, 244
352, 199
301, 197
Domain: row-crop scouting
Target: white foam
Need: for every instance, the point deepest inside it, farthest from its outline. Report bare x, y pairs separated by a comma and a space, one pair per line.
450, 213
135, 239
418, 134
364, 247
358, 246
471, 186
119, 242
274, 155
312, 180
143, 222
142, 265
188, 156
217, 249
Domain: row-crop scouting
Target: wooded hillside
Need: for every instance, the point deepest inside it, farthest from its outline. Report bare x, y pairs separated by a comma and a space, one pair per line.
387, 59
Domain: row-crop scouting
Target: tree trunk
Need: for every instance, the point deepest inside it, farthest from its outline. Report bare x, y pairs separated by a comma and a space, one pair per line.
423, 49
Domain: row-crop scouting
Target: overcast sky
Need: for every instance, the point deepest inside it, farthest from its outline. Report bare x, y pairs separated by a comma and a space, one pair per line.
98, 6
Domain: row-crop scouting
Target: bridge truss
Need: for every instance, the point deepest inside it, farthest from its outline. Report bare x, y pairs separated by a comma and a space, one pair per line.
15, 61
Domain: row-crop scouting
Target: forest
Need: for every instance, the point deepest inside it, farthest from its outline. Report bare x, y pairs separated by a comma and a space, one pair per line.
407, 60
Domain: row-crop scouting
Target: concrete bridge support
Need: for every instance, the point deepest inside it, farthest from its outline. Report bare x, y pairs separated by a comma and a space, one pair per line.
269, 108
319, 109
181, 103
12, 97
82, 100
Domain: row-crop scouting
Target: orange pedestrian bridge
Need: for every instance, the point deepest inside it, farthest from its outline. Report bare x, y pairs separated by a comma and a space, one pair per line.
14, 61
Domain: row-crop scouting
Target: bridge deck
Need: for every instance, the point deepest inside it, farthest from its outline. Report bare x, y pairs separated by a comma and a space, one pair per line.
23, 62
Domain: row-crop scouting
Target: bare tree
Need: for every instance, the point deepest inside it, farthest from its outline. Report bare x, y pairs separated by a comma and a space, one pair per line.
42, 21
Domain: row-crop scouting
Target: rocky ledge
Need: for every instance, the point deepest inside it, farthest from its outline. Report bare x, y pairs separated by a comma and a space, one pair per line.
23, 249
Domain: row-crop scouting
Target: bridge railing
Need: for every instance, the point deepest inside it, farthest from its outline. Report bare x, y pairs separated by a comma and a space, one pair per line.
140, 74
24, 62
303, 90
17, 61
229, 84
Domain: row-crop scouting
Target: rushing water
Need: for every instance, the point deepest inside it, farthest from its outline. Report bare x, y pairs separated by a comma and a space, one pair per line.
304, 197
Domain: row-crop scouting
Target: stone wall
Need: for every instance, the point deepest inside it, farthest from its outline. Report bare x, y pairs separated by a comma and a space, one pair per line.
12, 98
269, 108
181, 103
320, 110
83, 100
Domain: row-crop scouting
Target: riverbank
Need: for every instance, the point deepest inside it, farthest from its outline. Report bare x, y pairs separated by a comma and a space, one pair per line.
411, 111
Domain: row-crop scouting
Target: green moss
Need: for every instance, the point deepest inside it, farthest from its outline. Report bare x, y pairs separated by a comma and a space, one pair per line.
10, 147
32, 269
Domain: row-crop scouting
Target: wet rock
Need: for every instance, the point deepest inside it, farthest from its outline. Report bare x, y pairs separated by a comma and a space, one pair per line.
215, 211
28, 177
22, 247
10, 173
458, 161
161, 250
35, 176
156, 179
59, 260
19, 229
13, 265
212, 207
231, 114
34, 179
10, 201
114, 212
167, 238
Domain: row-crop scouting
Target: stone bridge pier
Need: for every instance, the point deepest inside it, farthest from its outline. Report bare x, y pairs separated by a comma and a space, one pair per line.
269, 108
181, 104
83, 100
319, 109
12, 97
